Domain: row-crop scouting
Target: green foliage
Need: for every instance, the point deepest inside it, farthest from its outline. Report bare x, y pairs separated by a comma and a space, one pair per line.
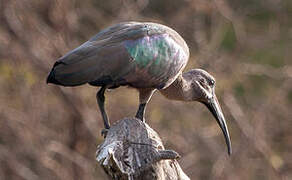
239, 89
289, 96
22, 73
287, 4
262, 15
258, 85
6, 70
229, 38
273, 55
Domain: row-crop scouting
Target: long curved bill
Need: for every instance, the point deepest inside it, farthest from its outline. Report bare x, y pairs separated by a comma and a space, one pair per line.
214, 106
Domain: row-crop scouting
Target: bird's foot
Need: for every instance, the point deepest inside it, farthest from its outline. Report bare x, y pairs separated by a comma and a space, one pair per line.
104, 132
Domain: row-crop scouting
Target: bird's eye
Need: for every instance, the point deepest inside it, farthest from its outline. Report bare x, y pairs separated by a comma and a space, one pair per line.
212, 83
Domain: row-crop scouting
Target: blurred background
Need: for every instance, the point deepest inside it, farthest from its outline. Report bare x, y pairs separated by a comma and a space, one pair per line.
50, 132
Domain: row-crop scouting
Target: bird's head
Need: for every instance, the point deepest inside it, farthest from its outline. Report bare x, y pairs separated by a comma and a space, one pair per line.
202, 89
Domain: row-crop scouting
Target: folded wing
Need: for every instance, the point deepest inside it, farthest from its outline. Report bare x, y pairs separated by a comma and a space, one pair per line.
103, 56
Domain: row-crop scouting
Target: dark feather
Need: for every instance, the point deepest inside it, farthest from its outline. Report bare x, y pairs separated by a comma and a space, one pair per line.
105, 59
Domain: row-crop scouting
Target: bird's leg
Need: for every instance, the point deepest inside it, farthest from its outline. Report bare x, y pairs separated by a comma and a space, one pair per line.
100, 101
144, 97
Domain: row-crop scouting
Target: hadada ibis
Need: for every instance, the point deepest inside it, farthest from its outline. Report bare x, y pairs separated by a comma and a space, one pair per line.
145, 56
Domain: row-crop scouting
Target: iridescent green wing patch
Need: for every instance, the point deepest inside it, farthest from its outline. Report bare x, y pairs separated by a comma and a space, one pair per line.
152, 52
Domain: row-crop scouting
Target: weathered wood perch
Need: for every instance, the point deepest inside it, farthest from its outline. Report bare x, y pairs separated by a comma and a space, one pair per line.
132, 150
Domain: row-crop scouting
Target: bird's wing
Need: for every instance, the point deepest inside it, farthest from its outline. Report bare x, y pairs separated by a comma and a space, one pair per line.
103, 55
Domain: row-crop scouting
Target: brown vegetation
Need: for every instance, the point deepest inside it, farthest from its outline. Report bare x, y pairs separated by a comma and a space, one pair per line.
51, 132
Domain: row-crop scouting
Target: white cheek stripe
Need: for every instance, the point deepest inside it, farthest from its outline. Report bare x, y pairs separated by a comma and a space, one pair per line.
208, 94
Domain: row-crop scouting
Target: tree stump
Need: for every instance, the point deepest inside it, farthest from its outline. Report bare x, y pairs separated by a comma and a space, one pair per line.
132, 150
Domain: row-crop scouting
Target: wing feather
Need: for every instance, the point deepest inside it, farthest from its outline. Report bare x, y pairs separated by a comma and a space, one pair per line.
109, 56
103, 55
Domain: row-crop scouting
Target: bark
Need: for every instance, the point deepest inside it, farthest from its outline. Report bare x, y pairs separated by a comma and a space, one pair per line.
132, 150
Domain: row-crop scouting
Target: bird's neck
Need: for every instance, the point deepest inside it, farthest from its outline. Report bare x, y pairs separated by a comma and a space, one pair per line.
179, 90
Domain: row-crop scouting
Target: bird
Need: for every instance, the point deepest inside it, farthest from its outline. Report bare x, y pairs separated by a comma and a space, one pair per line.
146, 56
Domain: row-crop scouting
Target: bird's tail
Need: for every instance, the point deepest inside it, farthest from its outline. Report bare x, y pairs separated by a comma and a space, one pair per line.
61, 74
51, 77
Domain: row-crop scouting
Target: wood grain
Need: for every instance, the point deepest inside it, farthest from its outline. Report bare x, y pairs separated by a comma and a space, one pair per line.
132, 150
